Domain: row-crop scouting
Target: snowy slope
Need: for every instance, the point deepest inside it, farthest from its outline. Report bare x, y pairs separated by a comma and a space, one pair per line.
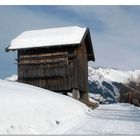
13, 77
26, 109
105, 84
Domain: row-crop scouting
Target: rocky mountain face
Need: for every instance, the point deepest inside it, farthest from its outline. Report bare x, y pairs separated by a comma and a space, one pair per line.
109, 85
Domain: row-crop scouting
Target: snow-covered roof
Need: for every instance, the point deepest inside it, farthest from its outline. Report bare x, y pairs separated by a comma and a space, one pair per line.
48, 37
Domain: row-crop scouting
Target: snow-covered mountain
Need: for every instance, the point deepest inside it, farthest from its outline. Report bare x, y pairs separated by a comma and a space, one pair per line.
106, 85
114, 75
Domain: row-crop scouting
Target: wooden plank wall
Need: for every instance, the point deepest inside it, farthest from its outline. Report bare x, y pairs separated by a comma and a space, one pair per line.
47, 68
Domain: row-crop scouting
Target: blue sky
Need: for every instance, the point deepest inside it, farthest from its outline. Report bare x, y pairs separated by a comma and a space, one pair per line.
115, 31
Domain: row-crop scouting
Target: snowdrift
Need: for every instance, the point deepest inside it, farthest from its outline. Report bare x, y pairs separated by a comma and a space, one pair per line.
26, 109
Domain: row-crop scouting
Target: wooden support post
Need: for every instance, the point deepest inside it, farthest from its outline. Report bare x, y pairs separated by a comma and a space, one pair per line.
75, 93
84, 97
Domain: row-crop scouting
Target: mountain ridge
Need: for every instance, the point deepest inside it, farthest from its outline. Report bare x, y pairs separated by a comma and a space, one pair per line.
109, 84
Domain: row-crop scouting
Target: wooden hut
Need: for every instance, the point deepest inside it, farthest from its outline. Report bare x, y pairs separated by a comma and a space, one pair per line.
55, 59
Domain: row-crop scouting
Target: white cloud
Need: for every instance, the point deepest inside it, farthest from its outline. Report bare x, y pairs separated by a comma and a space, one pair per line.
118, 44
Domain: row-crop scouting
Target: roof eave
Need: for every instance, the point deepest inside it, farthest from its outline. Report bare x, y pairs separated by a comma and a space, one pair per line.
7, 49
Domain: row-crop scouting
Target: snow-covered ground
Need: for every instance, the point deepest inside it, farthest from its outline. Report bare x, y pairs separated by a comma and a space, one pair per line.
112, 119
26, 109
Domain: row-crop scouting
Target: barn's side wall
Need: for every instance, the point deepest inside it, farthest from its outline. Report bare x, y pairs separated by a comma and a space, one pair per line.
57, 69
52, 69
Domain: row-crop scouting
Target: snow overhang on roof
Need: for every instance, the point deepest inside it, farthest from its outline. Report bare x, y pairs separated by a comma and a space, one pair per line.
48, 37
